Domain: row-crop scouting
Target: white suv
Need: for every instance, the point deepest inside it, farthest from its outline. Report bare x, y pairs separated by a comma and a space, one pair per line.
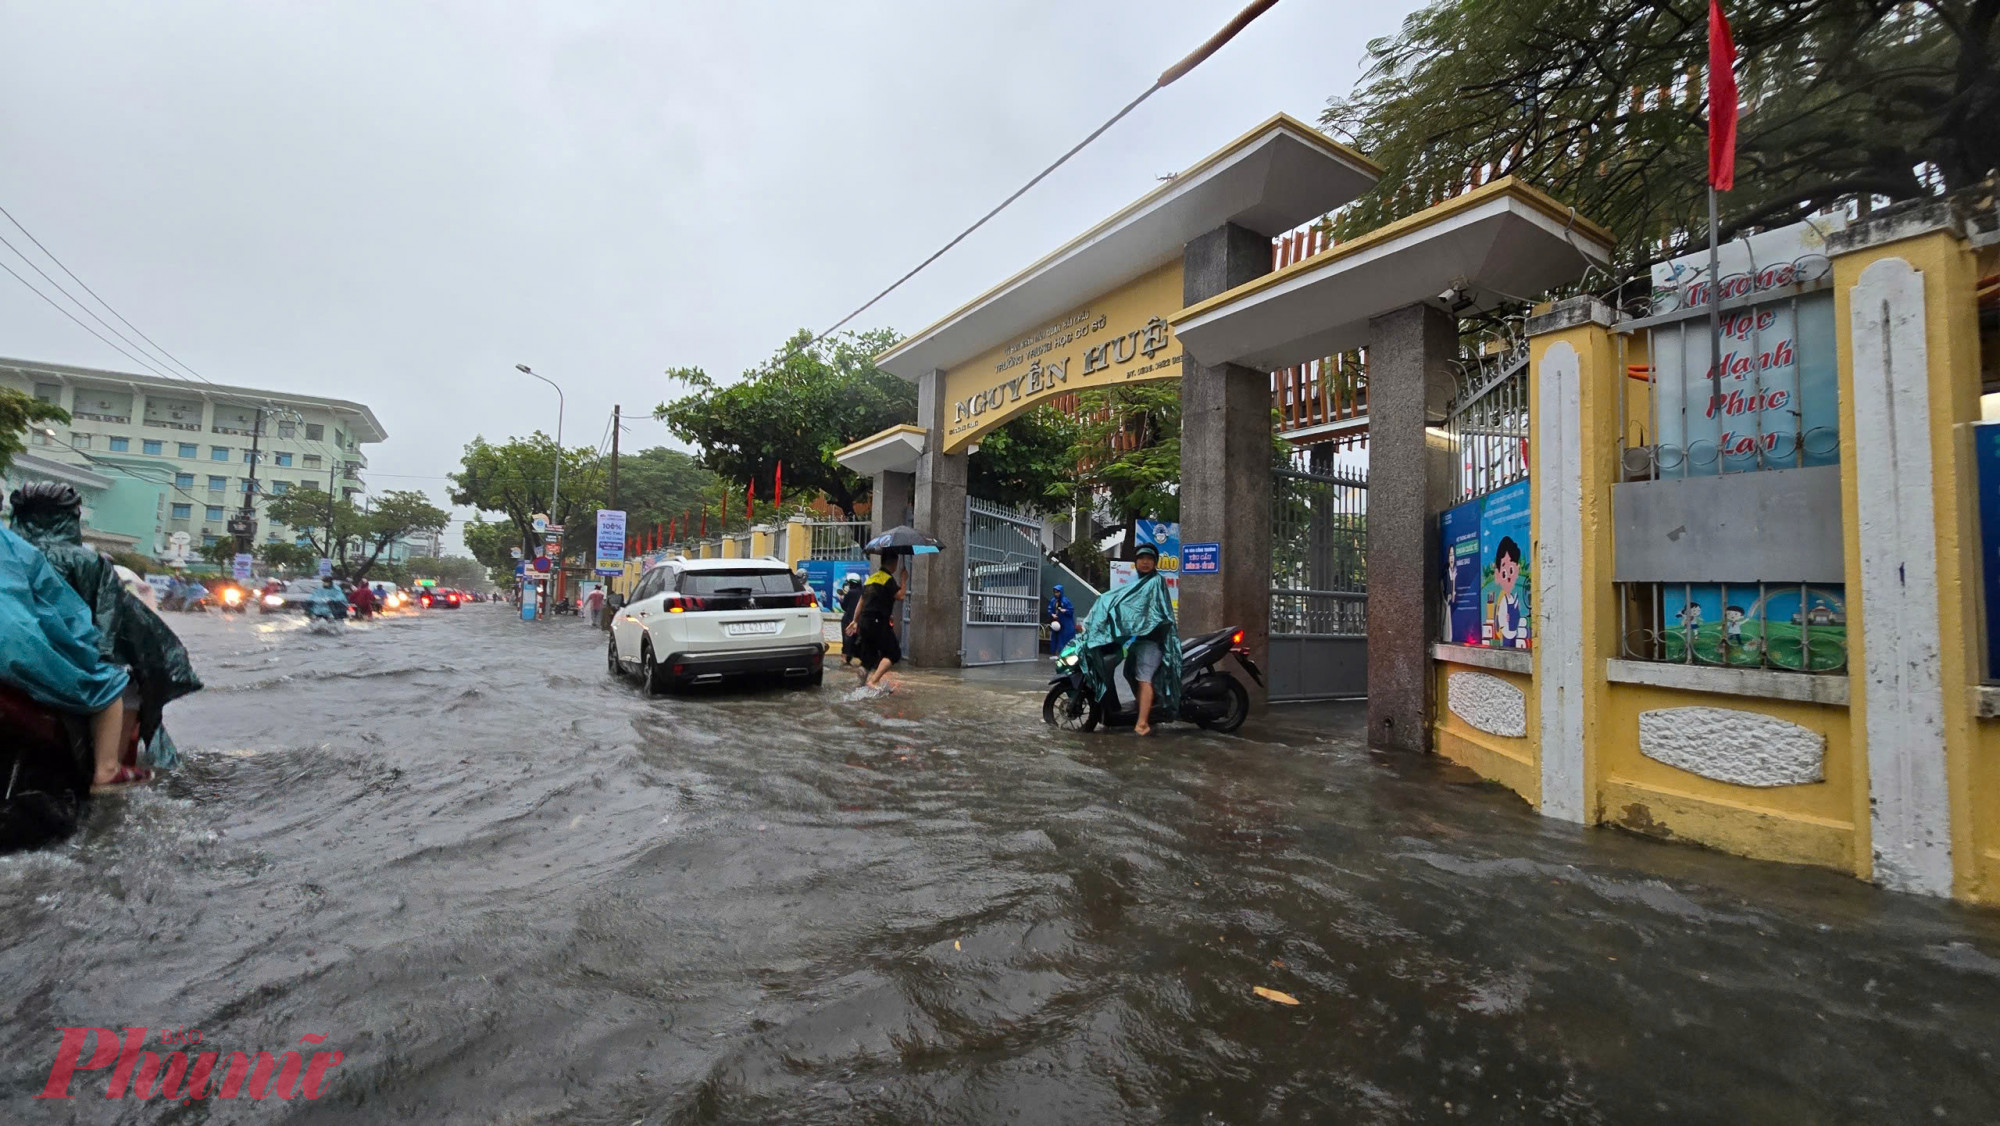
699, 621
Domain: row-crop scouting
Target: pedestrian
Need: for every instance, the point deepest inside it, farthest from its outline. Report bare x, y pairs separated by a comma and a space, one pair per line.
1062, 621
873, 628
850, 598
594, 602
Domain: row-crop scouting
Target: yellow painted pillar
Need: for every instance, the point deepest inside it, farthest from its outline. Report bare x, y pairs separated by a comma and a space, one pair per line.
760, 541
798, 541
1906, 313
1574, 368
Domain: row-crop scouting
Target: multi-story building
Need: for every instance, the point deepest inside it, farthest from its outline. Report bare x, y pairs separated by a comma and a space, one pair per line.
195, 441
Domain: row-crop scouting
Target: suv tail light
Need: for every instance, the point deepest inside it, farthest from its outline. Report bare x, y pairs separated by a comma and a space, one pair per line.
681, 603
805, 598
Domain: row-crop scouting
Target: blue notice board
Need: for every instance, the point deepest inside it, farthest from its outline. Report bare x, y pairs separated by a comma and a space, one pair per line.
1201, 559
1986, 457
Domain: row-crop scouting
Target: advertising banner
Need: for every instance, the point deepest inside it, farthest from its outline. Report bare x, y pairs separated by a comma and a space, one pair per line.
824, 577
610, 541
1802, 628
1488, 588
1986, 459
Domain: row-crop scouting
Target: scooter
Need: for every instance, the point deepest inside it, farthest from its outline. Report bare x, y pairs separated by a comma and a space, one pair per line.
44, 772
326, 616
1210, 697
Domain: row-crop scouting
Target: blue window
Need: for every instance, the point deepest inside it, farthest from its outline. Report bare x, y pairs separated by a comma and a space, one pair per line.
215, 512
188, 449
284, 459
217, 484
208, 539
281, 487
183, 511
218, 453
150, 446
249, 456
184, 480
249, 486
121, 445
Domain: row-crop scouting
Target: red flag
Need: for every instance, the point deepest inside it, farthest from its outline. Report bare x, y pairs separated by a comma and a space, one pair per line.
750, 502
778, 486
704, 521
1721, 101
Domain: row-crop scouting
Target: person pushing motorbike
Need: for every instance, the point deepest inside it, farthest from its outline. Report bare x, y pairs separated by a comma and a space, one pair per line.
1139, 618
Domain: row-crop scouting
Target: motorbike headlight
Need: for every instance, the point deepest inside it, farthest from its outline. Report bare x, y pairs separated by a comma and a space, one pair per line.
273, 600
232, 596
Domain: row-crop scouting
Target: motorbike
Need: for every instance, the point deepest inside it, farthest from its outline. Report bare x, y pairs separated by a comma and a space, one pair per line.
44, 772
325, 616
189, 601
234, 598
1210, 697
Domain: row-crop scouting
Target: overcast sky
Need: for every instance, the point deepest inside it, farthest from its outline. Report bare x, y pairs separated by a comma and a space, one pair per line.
397, 202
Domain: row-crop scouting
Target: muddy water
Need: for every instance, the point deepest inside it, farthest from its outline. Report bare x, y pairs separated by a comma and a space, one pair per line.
509, 889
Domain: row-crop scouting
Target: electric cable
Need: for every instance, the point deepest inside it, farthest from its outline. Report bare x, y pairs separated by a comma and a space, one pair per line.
1167, 77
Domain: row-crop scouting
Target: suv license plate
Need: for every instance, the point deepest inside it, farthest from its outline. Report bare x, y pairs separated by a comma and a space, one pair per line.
747, 629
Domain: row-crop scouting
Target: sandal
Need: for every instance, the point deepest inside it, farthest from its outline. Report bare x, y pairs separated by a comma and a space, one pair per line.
126, 778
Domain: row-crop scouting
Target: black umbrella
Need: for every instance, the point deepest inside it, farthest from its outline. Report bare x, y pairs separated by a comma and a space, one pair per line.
901, 540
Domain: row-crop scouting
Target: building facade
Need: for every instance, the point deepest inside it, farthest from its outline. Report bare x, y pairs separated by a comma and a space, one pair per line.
194, 446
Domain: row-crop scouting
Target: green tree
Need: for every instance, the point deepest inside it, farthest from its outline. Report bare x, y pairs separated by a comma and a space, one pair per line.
658, 485
19, 411
1029, 462
489, 544
222, 553
1603, 105
387, 518
1128, 444
797, 407
287, 557
515, 479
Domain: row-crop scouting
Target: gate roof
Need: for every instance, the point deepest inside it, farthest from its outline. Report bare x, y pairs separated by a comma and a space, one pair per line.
1271, 179
1505, 241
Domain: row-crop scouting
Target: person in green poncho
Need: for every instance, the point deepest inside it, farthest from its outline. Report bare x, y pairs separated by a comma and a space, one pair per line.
1139, 618
49, 515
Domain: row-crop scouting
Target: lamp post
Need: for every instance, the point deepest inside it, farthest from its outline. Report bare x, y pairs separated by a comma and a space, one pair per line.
555, 488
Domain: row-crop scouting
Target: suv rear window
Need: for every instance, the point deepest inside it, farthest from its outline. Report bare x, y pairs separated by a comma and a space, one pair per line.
738, 584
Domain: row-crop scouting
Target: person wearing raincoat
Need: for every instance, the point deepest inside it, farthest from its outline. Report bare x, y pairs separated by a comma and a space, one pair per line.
49, 515
1137, 618
51, 652
1061, 613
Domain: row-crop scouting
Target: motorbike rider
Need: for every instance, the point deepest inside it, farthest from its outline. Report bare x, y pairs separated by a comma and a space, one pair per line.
55, 655
1139, 617
49, 515
327, 601
362, 599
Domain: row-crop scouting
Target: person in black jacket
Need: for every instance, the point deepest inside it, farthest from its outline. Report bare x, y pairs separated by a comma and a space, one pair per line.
850, 599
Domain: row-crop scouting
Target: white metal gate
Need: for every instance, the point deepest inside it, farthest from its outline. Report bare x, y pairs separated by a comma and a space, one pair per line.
1003, 584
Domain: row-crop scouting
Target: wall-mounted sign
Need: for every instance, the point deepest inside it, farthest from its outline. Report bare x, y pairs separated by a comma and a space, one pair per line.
1986, 460
1118, 337
1201, 559
610, 541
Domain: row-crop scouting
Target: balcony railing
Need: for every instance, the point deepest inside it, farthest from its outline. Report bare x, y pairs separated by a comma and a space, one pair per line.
119, 418
164, 424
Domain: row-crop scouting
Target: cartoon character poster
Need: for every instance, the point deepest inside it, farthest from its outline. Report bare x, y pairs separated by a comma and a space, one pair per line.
1801, 628
1488, 583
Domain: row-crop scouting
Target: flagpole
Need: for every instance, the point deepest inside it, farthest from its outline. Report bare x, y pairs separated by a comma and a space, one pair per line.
1714, 314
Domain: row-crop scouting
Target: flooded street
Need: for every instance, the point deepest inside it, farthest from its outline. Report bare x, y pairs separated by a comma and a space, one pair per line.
510, 889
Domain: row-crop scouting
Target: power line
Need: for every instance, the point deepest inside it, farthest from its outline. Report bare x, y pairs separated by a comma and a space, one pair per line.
86, 288
88, 311
1167, 78
72, 316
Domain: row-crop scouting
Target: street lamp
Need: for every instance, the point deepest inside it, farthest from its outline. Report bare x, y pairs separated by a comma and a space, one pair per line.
555, 487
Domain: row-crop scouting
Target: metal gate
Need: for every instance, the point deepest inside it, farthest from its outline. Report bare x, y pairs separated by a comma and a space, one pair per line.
1003, 584
1319, 583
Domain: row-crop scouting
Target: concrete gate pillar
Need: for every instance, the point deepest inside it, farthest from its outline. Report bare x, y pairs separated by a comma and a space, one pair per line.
1410, 352
892, 500
1226, 460
937, 619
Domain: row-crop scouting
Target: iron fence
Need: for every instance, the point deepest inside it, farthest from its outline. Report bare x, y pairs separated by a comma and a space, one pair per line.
1003, 565
1319, 552
839, 539
1778, 408
1488, 420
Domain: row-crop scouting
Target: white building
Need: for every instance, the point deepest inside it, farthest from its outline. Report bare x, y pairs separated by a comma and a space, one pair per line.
195, 440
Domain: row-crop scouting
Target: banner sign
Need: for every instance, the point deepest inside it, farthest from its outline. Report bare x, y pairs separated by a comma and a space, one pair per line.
1798, 627
242, 563
824, 577
1488, 587
1201, 559
610, 541
1986, 459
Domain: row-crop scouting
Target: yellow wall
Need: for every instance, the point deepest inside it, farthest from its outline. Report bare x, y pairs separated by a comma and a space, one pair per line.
993, 387
1809, 824
1510, 761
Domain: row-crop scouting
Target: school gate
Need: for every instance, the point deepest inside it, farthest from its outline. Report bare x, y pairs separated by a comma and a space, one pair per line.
1319, 580
1003, 584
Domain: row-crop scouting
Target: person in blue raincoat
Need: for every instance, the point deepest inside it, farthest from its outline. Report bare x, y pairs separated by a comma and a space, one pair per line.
1136, 621
51, 651
1062, 620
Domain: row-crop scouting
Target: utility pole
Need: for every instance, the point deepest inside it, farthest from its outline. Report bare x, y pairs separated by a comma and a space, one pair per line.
333, 468
245, 525
604, 618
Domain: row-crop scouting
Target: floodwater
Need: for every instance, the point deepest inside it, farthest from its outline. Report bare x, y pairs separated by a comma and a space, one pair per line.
510, 889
